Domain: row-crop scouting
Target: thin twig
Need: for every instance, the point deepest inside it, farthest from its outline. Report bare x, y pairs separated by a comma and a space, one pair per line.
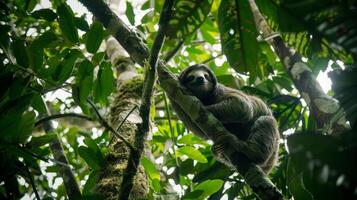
69, 180
62, 115
126, 117
173, 52
32, 182
212, 58
107, 126
148, 88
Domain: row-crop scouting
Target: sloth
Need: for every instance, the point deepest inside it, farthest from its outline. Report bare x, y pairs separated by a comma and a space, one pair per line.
254, 134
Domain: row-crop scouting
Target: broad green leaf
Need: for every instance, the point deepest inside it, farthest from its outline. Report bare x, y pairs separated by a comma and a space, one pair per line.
238, 36
296, 184
191, 139
130, 13
91, 181
38, 104
98, 58
95, 37
26, 126
313, 27
345, 87
88, 155
209, 32
17, 131
81, 23
64, 69
6, 78
66, 21
187, 17
196, 194
16, 151
323, 165
94, 147
150, 168
84, 80
104, 84
46, 14
37, 47
192, 153
209, 187
230, 81
20, 52
18, 87
11, 118
41, 140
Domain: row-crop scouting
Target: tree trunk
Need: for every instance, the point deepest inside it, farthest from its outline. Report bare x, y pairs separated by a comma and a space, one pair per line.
129, 89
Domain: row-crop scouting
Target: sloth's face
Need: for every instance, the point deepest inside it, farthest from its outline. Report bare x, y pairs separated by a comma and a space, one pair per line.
199, 82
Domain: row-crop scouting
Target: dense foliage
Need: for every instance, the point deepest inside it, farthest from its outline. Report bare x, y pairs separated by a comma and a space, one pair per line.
52, 59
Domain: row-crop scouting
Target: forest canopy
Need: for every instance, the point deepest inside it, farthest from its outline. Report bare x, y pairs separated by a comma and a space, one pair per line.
87, 86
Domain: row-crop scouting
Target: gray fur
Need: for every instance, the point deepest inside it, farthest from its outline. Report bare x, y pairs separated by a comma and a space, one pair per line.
254, 129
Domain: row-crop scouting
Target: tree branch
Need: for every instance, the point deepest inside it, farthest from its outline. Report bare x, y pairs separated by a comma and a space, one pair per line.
192, 106
172, 53
323, 106
32, 182
61, 115
64, 171
148, 88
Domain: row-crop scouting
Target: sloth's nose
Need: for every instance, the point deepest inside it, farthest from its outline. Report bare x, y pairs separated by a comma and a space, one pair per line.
200, 79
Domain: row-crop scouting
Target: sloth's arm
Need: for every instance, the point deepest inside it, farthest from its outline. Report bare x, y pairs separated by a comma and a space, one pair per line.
234, 109
187, 121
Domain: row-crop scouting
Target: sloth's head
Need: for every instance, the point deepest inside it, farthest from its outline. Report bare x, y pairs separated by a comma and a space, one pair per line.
199, 79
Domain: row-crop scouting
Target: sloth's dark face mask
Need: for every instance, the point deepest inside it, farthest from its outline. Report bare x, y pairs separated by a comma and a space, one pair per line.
199, 82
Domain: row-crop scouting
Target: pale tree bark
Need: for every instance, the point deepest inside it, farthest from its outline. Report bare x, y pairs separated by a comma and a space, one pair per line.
324, 108
205, 120
124, 117
123, 114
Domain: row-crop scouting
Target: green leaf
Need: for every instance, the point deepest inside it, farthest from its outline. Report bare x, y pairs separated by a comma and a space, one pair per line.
64, 69
89, 156
18, 87
12, 119
37, 47
313, 27
323, 165
345, 87
94, 147
187, 17
104, 84
98, 58
238, 35
20, 52
46, 14
150, 168
130, 13
192, 153
95, 37
191, 139
196, 194
91, 182
84, 80
17, 131
296, 184
38, 104
26, 126
209, 187
81, 23
66, 22
41, 140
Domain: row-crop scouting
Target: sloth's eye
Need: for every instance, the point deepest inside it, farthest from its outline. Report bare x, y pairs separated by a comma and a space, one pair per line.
189, 78
207, 77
